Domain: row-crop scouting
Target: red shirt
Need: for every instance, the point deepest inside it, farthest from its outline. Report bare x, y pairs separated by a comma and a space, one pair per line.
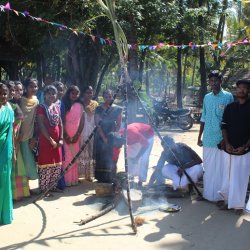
139, 133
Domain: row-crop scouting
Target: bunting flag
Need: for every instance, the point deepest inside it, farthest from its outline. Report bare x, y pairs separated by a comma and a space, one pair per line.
141, 47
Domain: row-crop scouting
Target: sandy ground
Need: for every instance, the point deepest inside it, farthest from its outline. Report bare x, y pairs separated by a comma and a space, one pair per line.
52, 222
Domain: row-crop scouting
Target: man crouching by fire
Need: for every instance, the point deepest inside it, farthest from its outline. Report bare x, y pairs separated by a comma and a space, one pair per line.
178, 157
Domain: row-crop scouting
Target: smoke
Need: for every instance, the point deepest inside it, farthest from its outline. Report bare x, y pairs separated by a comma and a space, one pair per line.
142, 202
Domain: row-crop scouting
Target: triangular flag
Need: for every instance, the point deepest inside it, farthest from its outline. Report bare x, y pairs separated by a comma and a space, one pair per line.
7, 6
102, 41
16, 12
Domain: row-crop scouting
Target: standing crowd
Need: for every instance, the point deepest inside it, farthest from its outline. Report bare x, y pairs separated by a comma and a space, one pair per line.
40, 138
225, 126
225, 137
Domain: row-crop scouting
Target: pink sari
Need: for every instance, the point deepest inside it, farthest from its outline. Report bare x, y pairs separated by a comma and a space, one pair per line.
72, 122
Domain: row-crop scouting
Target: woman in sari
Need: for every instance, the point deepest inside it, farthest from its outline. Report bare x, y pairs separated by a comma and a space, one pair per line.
108, 120
73, 126
86, 167
6, 121
20, 187
28, 105
50, 140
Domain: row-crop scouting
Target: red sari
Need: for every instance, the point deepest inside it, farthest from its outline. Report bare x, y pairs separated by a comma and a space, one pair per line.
49, 158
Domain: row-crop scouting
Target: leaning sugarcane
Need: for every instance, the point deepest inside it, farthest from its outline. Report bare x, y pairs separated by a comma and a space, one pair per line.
122, 46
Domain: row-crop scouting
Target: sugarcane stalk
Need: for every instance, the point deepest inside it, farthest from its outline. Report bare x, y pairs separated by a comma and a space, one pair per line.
122, 47
126, 165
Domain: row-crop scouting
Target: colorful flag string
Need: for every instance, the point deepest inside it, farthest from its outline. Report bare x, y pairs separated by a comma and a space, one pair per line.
110, 42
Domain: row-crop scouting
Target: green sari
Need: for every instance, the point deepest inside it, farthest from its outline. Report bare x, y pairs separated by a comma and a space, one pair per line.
6, 205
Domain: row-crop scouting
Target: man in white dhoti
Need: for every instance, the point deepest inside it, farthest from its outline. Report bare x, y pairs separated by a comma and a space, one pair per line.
236, 135
179, 156
210, 128
140, 139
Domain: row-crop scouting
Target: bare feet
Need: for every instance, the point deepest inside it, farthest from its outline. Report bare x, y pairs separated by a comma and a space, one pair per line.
57, 190
220, 203
49, 195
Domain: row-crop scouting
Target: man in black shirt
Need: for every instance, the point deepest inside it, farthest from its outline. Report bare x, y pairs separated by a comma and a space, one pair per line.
178, 156
236, 135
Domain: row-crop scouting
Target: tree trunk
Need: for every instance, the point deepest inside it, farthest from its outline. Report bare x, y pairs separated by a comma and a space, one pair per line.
103, 72
147, 79
203, 88
179, 78
185, 69
179, 58
39, 71
11, 69
193, 73
142, 63
83, 61
13, 72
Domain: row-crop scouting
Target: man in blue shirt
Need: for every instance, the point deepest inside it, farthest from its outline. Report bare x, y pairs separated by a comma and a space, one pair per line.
214, 104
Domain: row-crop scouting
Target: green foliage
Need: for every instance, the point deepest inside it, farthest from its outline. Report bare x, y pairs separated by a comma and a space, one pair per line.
155, 21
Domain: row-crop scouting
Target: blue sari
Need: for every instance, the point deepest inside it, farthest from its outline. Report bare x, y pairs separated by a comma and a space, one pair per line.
6, 127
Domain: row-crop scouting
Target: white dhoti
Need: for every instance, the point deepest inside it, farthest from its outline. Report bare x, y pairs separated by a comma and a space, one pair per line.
140, 168
215, 172
223, 192
239, 177
169, 171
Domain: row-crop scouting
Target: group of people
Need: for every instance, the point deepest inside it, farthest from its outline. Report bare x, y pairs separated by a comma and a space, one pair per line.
42, 131
40, 138
225, 127
225, 136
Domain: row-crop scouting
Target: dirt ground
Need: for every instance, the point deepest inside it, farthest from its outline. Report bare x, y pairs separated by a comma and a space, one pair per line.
52, 222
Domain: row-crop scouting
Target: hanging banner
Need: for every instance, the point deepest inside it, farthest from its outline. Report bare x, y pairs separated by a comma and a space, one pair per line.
141, 47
